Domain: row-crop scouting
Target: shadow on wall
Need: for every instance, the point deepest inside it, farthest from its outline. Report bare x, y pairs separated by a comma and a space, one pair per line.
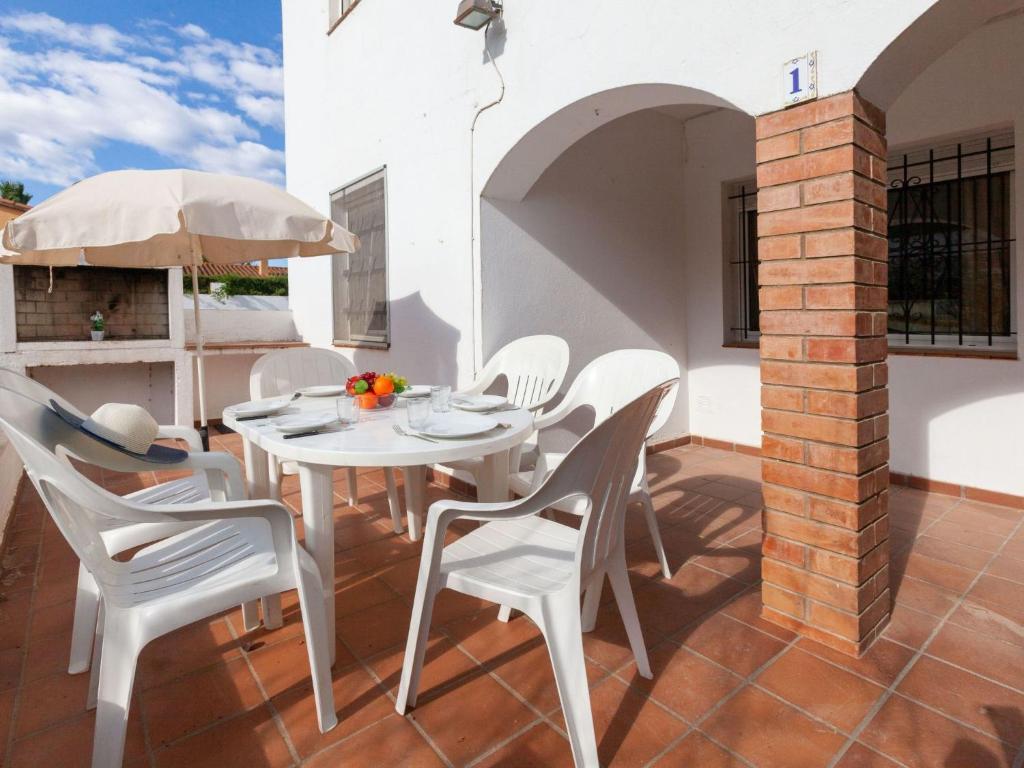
594, 252
425, 345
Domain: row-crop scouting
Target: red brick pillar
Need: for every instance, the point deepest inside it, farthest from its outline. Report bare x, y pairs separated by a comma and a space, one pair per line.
823, 275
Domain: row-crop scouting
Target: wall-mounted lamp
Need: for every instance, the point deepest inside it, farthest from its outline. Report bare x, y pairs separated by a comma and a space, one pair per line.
476, 14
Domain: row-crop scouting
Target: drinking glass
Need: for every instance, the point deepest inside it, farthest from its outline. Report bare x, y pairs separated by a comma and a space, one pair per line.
441, 398
418, 411
348, 411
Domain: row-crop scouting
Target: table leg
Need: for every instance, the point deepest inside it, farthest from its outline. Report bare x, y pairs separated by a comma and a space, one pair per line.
493, 486
257, 486
415, 497
493, 480
394, 503
317, 486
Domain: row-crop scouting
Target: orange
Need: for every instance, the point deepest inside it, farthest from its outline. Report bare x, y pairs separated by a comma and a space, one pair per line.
367, 401
383, 385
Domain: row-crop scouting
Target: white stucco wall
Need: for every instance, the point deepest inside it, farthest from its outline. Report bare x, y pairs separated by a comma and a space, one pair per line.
397, 85
594, 252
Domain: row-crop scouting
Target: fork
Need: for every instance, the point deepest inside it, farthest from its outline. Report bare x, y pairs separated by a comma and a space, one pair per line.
403, 433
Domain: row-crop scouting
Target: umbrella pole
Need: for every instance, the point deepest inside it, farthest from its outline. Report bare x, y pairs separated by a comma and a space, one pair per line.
197, 257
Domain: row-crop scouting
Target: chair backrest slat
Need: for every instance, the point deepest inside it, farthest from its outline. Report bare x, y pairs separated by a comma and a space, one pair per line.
286, 370
534, 368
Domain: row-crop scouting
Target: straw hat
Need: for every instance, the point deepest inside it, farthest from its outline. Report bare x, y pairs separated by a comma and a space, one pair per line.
125, 427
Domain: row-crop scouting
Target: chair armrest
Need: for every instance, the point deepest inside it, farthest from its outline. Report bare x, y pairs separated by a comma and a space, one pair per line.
187, 434
275, 513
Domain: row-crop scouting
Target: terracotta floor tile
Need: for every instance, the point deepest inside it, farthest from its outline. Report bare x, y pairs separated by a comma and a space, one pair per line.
909, 626
1007, 567
49, 700
684, 682
284, 665
466, 720
485, 638
186, 650
770, 733
530, 675
922, 596
391, 742
943, 574
359, 592
1005, 596
630, 729
51, 620
540, 747
377, 628
958, 553
739, 558
984, 517
920, 738
608, 645
242, 742
983, 654
698, 750
47, 656
829, 693
358, 703
11, 662
859, 756
957, 532
70, 743
882, 662
989, 621
6, 714
665, 607
444, 665
731, 643
968, 698
747, 608
174, 709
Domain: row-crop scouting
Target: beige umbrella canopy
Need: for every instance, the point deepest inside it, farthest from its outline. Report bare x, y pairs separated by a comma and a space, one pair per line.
171, 218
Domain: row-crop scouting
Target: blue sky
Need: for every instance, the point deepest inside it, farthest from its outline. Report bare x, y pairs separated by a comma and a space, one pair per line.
103, 85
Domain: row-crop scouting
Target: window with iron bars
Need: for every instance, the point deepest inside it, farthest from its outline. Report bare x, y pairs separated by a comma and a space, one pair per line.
952, 259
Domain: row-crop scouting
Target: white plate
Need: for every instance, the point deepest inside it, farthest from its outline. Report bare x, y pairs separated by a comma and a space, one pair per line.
478, 402
418, 390
325, 390
303, 422
260, 407
456, 424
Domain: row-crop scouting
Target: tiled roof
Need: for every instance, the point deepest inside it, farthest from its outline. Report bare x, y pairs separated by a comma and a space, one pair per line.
10, 204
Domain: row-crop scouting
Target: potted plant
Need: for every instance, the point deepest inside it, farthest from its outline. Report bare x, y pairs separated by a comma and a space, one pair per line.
98, 325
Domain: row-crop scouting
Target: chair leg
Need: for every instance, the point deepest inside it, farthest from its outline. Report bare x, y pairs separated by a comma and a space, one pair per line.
592, 602
416, 645
274, 473
563, 632
97, 659
251, 615
87, 603
353, 486
652, 526
311, 600
619, 577
116, 677
394, 503
505, 614
271, 605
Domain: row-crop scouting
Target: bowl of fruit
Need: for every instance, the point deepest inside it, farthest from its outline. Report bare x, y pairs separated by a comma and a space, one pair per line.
376, 390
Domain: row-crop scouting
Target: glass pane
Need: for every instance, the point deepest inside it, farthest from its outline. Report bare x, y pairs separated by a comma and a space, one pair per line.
360, 278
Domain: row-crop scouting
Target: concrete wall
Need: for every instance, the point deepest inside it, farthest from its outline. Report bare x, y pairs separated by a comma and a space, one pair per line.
594, 252
150, 385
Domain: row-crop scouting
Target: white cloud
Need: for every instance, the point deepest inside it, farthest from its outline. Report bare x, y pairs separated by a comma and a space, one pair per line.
79, 88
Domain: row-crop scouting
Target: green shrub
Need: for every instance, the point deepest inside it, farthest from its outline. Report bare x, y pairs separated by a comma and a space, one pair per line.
239, 285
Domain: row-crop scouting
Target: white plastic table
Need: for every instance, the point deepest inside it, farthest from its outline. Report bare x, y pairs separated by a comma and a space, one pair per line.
370, 443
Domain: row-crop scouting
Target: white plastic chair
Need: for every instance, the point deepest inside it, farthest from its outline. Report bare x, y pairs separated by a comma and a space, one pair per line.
216, 476
540, 567
534, 368
232, 552
287, 370
605, 385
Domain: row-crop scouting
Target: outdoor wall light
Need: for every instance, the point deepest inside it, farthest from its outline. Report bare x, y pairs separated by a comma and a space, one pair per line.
476, 14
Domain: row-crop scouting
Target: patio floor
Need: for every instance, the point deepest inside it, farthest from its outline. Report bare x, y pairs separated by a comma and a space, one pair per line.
943, 687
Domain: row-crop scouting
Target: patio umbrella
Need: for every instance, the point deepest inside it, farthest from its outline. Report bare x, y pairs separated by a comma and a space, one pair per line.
170, 218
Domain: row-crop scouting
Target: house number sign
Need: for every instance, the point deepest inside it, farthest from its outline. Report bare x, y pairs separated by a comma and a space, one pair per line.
800, 79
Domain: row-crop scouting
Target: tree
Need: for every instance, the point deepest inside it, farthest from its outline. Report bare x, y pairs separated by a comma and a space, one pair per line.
14, 190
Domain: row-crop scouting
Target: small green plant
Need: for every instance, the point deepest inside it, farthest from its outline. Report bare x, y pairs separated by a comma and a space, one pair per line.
98, 323
237, 285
